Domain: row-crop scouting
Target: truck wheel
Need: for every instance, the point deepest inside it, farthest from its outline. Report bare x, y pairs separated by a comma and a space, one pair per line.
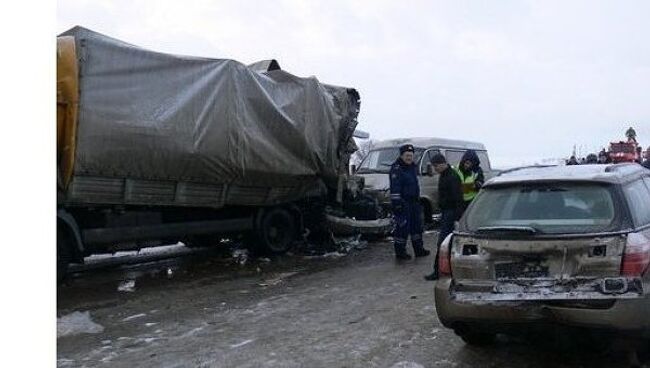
277, 230
63, 254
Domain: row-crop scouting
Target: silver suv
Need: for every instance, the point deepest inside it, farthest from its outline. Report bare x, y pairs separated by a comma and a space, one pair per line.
567, 245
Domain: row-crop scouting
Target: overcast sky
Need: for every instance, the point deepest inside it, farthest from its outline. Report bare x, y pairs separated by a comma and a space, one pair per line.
529, 79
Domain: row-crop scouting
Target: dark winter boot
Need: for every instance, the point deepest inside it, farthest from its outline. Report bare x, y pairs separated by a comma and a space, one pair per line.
402, 256
421, 252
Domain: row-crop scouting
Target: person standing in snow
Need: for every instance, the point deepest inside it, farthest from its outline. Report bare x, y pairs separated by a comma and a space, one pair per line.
450, 201
405, 200
471, 176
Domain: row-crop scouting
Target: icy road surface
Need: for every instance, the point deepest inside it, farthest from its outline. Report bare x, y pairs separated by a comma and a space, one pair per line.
202, 309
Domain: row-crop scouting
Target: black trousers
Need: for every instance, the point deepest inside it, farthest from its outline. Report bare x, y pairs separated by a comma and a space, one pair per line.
447, 221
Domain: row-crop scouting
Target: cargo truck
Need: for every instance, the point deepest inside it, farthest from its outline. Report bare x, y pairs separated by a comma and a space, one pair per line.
155, 148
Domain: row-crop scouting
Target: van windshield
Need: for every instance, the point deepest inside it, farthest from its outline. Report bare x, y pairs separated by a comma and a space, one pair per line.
549, 208
380, 160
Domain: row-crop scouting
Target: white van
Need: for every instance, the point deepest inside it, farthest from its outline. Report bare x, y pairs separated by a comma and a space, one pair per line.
376, 165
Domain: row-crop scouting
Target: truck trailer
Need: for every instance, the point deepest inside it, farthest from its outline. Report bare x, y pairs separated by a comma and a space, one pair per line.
154, 148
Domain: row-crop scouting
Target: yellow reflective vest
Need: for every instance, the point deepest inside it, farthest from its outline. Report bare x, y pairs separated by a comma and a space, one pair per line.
468, 184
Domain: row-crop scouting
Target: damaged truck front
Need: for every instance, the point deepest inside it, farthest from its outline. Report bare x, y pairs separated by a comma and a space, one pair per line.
155, 148
565, 245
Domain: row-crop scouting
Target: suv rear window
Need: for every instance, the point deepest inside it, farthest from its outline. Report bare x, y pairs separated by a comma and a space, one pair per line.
550, 208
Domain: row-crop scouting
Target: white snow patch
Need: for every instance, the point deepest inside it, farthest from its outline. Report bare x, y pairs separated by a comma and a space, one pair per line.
191, 332
446, 362
245, 342
76, 323
127, 286
129, 318
149, 324
406, 364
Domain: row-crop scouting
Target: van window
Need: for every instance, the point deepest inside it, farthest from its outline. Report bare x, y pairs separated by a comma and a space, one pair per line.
638, 197
453, 157
379, 161
427, 159
485, 160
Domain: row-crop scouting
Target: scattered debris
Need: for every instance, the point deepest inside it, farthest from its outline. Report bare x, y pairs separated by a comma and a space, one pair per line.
240, 256
265, 260
346, 244
76, 323
280, 278
127, 286
246, 342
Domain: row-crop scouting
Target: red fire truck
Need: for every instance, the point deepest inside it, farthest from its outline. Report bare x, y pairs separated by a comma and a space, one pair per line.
623, 151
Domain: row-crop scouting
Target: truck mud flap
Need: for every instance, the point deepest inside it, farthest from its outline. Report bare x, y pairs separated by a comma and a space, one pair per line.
349, 226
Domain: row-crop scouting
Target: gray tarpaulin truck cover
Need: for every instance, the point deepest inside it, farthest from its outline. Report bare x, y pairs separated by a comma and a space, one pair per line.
152, 117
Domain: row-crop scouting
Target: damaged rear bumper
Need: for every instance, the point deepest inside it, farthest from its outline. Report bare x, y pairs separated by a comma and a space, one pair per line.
548, 289
622, 312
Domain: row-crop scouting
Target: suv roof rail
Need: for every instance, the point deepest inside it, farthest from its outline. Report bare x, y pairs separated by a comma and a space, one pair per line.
620, 166
523, 168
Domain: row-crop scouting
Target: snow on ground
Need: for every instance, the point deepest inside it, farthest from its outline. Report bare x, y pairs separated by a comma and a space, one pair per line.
144, 251
76, 323
406, 364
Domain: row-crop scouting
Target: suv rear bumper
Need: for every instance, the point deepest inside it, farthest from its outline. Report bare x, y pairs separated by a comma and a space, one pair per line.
631, 315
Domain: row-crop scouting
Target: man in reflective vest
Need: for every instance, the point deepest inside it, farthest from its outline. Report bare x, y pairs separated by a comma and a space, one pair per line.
471, 176
405, 202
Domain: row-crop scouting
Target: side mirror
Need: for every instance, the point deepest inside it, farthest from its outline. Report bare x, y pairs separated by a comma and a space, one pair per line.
430, 171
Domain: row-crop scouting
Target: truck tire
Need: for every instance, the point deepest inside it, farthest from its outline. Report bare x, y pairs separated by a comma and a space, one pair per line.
63, 254
276, 231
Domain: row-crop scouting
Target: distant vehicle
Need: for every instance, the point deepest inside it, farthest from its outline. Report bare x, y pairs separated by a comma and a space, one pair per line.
566, 244
375, 167
623, 151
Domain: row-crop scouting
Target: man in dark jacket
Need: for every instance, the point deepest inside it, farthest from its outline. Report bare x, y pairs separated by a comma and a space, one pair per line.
405, 201
450, 201
471, 176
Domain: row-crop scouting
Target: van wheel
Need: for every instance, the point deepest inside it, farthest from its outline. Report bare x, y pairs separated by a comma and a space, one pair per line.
63, 254
475, 337
276, 230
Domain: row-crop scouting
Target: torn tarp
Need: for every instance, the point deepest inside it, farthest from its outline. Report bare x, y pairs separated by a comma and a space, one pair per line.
151, 116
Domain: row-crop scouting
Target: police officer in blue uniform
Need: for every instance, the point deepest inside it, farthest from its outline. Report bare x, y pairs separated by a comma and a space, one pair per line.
405, 200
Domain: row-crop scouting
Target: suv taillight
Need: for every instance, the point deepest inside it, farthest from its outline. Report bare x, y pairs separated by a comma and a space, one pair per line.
444, 257
636, 256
